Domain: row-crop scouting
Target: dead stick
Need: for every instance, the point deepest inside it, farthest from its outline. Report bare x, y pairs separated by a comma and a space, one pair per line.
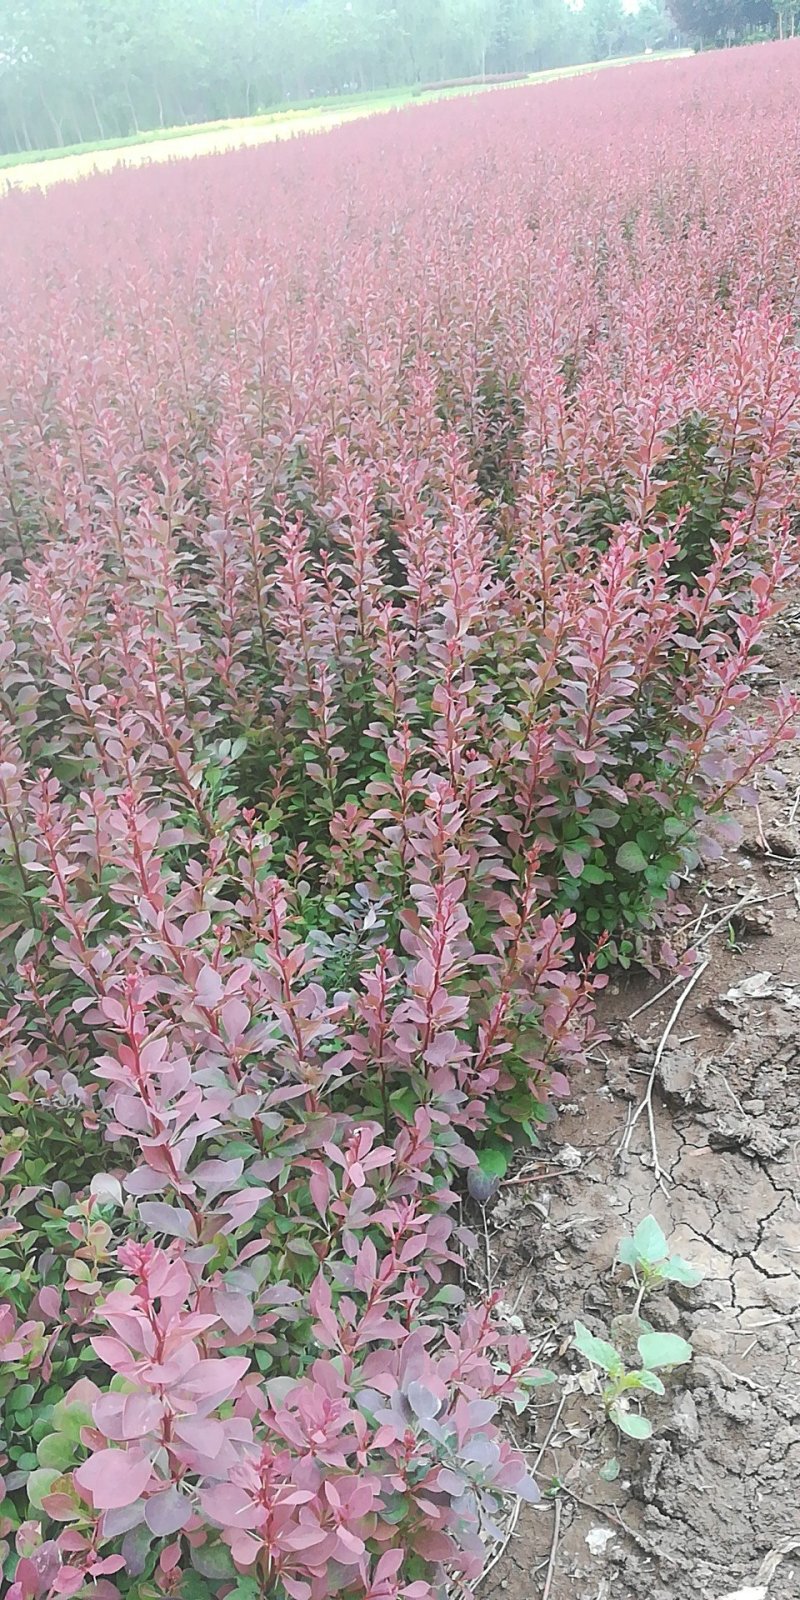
646, 1105
497, 1557
549, 1434
551, 1565
531, 1177
487, 1243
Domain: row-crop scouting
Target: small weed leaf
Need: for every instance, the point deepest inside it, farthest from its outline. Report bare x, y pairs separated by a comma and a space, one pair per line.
676, 1270
664, 1350
631, 1423
609, 1471
536, 1380
627, 1252
650, 1380
598, 1351
650, 1242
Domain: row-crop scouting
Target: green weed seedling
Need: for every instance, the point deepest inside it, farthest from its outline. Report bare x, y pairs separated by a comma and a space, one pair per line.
646, 1252
656, 1350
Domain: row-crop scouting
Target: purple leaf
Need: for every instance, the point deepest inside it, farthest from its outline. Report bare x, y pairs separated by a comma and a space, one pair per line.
167, 1512
423, 1402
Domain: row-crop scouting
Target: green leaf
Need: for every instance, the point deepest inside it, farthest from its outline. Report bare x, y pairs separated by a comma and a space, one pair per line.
631, 1423
21, 1397
651, 1245
197, 1588
395, 1510
493, 1161
70, 1418
449, 1295
627, 1253
610, 1470
630, 857
213, 1561
536, 1379
39, 1484
679, 1271
301, 1247
603, 818
674, 826
598, 1351
55, 1450
650, 1380
663, 1350
24, 943
193, 1587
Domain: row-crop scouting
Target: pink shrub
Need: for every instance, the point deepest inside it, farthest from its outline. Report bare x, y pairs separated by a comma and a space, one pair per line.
390, 524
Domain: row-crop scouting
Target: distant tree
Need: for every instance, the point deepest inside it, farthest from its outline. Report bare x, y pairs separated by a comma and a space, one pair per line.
707, 20
561, 35
651, 27
786, 12
607, 25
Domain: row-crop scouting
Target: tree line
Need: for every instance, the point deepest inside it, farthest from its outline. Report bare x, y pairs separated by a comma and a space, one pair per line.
84, 70
76, 70
725, 21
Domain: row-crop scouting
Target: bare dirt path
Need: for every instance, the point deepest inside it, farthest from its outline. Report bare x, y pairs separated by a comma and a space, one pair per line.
711, 1505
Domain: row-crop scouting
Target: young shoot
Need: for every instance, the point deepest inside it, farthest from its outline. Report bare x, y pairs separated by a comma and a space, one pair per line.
624, 1389
647, 1254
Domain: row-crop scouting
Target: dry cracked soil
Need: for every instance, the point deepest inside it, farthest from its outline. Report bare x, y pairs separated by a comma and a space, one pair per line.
709, 1508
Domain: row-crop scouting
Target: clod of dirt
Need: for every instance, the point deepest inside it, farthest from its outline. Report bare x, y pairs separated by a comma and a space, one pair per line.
754, 920
731, 1016
598, 1538
676, 1075
779, 839
569, 1158
750, 1134
734, 1006
684, 1423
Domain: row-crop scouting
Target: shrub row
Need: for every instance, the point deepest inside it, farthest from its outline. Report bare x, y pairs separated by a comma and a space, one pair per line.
463, 83
385, 569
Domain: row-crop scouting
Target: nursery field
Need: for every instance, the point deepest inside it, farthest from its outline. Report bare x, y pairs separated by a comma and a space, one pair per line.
398, 535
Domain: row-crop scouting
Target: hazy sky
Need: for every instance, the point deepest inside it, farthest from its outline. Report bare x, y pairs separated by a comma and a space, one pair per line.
627, 5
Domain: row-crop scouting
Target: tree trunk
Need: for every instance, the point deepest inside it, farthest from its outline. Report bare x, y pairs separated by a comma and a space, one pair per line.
93, 103
134, 112
53, 120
